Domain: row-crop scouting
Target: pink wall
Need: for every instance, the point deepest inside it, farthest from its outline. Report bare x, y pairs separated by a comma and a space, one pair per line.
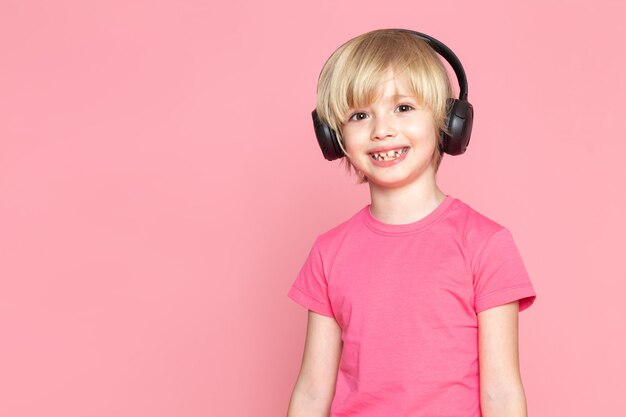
160, 186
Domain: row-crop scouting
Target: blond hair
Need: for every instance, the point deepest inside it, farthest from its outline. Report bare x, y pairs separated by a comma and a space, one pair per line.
352, 75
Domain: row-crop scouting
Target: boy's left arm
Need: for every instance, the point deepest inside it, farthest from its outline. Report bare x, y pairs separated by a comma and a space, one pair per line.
501, 389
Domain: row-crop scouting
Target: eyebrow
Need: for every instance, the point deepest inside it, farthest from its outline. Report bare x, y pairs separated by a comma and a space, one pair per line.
393, 97
399, 96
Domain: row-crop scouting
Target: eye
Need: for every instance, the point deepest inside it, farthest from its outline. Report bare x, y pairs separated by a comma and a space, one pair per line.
404, 107
358, 116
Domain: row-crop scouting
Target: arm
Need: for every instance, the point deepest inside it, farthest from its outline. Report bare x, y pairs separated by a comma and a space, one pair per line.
501, 389
315, 386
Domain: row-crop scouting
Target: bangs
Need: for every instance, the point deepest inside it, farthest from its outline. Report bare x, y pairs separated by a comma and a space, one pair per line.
367, 88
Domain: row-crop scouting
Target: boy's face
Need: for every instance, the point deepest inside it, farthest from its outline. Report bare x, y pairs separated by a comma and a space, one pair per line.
393, 140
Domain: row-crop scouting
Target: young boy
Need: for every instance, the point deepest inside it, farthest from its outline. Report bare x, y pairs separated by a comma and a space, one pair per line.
413, 301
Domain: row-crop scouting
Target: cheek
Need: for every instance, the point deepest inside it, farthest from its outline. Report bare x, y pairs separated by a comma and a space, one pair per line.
354, 139
422, 134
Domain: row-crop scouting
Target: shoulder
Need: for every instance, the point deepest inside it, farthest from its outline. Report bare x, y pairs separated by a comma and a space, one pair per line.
473, 226
488, 245
338, 232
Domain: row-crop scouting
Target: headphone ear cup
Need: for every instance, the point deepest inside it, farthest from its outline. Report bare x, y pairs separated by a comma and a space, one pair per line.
459, 120
327, 139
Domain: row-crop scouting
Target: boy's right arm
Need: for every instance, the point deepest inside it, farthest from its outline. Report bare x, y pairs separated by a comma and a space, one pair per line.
315, 386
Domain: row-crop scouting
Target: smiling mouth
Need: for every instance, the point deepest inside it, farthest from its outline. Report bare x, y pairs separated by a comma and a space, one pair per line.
388, 156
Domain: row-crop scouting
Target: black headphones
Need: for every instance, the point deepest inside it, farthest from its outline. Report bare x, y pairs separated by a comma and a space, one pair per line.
459, 118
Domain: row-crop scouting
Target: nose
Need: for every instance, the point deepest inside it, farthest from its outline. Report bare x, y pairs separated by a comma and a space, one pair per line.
383, 127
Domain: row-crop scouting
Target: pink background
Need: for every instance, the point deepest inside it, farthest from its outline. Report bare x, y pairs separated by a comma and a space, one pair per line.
160, 186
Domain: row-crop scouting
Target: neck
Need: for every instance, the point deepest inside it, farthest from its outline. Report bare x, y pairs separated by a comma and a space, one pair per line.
406, 204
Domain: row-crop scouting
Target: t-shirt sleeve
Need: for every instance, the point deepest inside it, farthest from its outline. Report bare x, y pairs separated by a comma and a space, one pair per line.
500, 276
310, 288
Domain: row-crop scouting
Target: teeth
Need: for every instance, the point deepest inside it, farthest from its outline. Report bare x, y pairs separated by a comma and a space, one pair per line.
389, 155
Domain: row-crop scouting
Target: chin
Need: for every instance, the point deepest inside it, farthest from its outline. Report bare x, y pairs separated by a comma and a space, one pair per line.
388, 183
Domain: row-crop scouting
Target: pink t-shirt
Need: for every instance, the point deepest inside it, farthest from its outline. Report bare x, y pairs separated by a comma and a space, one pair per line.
406, 297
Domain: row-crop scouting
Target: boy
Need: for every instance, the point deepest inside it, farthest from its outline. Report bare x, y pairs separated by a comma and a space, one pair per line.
413, 301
